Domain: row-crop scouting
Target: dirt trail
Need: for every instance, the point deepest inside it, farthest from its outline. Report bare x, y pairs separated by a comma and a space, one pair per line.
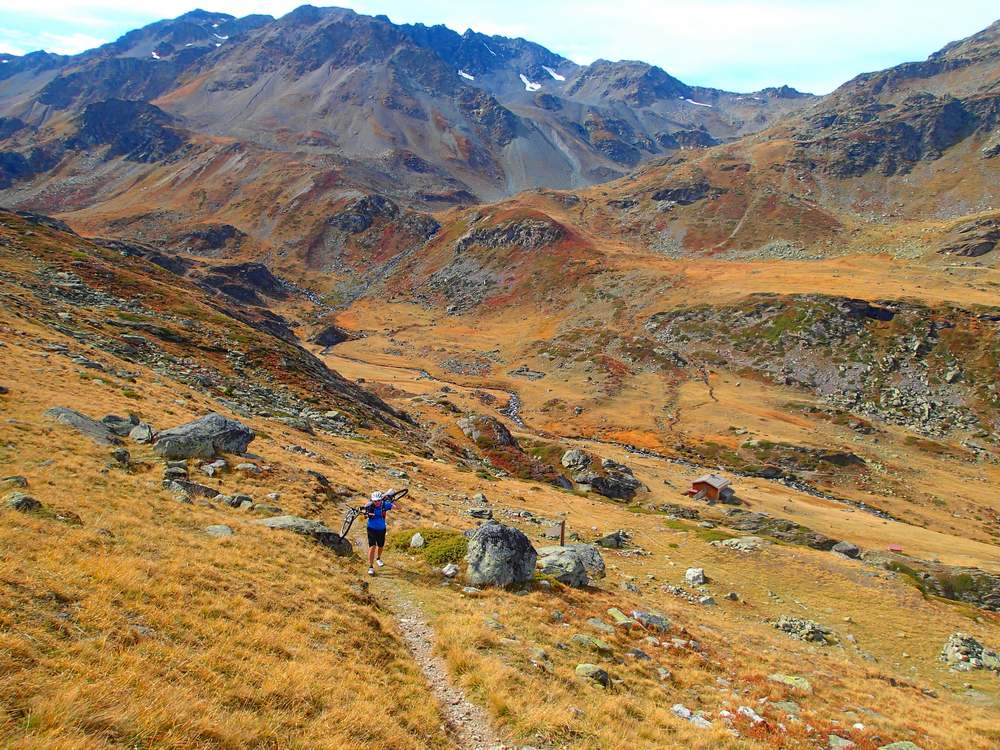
467, 723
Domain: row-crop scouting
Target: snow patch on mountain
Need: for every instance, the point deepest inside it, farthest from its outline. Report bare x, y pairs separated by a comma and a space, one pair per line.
552, 73
529, 85
697, 104
467, 76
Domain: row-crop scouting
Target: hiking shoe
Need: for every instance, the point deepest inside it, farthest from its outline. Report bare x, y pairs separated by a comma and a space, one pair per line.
371, 571
380, 563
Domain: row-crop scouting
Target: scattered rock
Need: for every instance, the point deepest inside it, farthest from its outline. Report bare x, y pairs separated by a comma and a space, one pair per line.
591, 643
903, 745
741, 544
683, 712
486, 430
204, 438
120, 426
190, 489
594, 673
575, 460
599, 625
314, 529
142, 433
21, 502
847, 549
615, 540
417, 540
91, 428
839, 743
216, 467
621, 619
13, 481
499, 556
652, 621
218, 530
450, 570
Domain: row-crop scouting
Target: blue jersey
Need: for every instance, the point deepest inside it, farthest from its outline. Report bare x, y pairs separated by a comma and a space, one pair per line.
376, 515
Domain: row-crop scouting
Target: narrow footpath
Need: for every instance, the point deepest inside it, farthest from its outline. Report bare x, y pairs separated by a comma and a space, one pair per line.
467, 723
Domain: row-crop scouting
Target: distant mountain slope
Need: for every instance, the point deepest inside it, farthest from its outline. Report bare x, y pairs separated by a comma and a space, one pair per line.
905, 160
443, 116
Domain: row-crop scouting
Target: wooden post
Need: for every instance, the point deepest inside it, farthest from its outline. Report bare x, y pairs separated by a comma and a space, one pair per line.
562, 533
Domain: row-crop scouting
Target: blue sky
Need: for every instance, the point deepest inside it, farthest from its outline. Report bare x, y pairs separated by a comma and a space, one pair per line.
740, 45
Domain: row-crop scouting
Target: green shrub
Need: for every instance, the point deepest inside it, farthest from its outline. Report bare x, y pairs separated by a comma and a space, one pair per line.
441, 546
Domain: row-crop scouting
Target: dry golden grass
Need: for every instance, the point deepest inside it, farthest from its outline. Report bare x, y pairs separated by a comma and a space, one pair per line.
257, 640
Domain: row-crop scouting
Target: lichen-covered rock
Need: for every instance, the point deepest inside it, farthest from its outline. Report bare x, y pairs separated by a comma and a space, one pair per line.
120, 426
575, 460
593, 673
204, 438
591, 558
563, 564
22, 502
499, 556
91, 428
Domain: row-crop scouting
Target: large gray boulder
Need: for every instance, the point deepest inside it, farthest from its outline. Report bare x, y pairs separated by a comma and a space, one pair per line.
591, 558
499, 556
91, 428
563, 564
617, 484
313, 529
204, 438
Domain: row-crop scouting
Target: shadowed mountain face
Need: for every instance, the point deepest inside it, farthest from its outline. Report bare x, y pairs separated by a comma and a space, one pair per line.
442, 117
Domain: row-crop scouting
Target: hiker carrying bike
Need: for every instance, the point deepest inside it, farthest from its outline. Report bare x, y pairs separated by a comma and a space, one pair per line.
375, 511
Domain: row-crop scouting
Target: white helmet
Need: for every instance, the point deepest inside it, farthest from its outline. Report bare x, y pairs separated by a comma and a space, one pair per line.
378, 496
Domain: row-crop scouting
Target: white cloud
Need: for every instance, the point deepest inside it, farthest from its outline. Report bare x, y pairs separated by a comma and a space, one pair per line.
19, 42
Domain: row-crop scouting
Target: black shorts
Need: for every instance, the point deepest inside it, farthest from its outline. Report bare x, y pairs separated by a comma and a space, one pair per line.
376, 537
